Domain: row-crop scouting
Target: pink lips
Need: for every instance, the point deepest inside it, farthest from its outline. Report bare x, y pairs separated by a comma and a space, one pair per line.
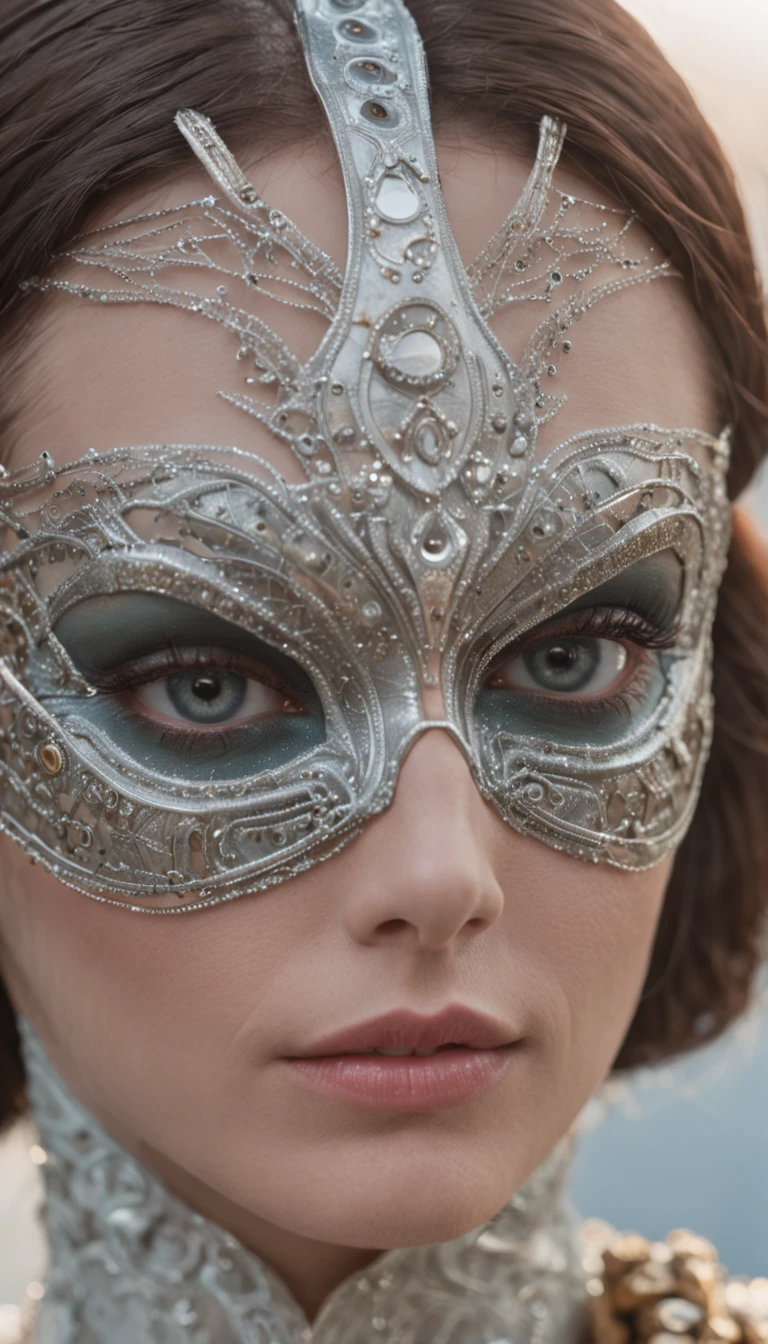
475, 1053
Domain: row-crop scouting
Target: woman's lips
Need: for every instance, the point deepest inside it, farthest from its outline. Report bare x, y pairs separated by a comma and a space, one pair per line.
430, 1062
406, 1082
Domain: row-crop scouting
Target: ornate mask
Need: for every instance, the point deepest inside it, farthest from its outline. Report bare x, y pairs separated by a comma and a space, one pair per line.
426, 542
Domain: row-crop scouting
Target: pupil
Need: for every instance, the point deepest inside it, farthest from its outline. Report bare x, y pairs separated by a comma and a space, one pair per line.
206, 686
561, 659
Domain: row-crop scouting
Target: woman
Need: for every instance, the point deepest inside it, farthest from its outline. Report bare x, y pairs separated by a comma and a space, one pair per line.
398, 691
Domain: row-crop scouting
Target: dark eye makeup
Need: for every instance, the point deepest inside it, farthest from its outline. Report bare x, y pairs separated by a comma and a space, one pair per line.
104, 635
597, 668
182, 688
653, 588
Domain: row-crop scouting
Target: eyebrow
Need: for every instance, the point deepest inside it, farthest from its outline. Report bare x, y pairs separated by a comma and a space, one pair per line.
653, 587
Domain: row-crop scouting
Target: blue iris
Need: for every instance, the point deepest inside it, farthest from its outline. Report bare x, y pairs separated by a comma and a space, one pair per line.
210, 696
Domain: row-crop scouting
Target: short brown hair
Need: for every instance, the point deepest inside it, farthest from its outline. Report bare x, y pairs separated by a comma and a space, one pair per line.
88, 91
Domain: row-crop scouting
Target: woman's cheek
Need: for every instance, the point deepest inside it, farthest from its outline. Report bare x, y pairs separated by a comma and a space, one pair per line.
587, 931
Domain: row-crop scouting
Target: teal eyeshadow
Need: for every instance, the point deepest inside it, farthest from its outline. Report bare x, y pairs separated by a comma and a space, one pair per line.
230, 753
652, 587
523, 714
101, 634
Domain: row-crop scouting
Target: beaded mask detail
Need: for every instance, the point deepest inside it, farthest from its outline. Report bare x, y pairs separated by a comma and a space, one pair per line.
426, 537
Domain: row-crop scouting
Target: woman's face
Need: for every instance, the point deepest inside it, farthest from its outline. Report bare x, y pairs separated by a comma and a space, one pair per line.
178, 1032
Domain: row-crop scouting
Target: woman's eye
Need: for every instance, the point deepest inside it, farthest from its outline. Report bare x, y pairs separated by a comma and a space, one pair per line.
563, 665
212, 696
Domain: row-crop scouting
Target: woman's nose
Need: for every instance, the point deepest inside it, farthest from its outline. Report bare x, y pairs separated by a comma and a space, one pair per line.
424, 871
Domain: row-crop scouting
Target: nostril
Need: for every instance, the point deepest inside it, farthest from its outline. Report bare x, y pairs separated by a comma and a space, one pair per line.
392, 926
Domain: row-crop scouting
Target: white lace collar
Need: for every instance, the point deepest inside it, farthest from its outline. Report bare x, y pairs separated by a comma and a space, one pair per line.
132, 1264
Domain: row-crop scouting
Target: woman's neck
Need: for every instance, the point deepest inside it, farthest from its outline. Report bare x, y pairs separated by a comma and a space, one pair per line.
310, 1269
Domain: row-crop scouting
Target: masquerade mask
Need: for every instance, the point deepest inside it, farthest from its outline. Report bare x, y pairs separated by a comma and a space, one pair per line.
280, 634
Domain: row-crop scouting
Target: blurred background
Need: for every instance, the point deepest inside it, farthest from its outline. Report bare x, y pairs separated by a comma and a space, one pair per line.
685, 1146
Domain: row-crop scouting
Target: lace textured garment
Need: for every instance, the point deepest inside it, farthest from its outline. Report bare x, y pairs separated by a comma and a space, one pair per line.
131, 1264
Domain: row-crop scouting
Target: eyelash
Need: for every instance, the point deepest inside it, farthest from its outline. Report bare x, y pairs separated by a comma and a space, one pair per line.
614, 623
619, 623
185, 739
170, 660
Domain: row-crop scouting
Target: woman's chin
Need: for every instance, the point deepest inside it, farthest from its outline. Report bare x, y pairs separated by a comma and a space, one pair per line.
406, 1207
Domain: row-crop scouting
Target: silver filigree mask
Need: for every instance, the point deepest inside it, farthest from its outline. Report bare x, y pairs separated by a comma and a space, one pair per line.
425, 542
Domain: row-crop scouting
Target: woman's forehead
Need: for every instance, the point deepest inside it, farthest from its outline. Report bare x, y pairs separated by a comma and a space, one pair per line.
107, 376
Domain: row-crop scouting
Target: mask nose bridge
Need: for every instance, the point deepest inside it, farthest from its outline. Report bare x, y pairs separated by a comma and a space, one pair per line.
418, 730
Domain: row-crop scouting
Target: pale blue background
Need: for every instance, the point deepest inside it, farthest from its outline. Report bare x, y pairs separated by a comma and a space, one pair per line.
687, 1146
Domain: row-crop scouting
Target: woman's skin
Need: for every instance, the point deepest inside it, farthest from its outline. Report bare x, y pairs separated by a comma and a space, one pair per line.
173, 1031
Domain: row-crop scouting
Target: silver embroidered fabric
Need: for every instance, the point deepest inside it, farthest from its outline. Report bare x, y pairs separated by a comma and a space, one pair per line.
131, 1264
429, 534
